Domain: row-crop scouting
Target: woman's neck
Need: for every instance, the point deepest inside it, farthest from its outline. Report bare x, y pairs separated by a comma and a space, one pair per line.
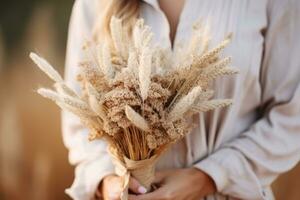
172, 10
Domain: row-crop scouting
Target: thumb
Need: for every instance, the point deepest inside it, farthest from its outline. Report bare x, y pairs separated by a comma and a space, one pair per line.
136, 187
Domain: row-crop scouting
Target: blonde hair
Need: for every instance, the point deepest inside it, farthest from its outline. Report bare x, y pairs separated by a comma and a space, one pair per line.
127, 10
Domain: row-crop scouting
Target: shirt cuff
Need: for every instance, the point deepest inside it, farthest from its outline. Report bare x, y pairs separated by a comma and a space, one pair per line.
215, 171
88, 175
232, 174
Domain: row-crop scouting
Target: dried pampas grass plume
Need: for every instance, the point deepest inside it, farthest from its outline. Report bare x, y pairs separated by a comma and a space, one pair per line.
95, 103
106, 65
71, 102
136, 119
78, 104
145, 72
49, 94
142, 35
117, 36
132, 63
137, 35
46, 67
93, 92
62, 88
97, 107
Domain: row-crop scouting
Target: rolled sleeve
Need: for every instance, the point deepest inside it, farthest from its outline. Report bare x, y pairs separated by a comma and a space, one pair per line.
91, 159
88, 175
232, 174
215, 171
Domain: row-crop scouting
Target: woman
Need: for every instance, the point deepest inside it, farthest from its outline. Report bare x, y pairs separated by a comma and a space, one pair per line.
233, 153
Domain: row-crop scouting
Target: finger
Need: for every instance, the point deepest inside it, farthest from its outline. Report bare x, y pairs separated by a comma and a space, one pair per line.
156, 195
136, 187
114, 188
114, 196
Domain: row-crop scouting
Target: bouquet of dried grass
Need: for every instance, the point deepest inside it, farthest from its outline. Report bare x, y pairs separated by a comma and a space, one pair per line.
138, 96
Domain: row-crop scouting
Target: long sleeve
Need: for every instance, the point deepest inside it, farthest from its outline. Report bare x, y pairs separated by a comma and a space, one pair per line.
247, 165
91, 158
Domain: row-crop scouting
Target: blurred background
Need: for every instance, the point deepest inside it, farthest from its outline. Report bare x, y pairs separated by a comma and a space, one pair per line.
33, 159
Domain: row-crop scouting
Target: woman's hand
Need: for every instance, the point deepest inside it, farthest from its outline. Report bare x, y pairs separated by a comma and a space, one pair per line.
180, 184
111, 187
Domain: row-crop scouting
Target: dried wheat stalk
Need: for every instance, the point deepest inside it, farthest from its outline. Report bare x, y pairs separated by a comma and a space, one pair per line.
211, 105
184, 104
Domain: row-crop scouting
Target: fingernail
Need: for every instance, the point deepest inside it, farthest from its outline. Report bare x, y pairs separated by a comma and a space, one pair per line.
142, 190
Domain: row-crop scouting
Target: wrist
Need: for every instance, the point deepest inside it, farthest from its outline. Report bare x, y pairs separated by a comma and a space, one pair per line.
206, 183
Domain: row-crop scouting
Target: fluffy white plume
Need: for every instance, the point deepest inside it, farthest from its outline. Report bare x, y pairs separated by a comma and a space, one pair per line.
132, 63
46, 67
106, 65
50, 94
62, 88
97, 107
92, 91
74, 103
78, 104
116, 30
95, 102
137, 35
145, 72
136, 119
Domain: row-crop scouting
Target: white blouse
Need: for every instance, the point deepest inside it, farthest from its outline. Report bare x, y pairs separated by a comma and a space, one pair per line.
244, 147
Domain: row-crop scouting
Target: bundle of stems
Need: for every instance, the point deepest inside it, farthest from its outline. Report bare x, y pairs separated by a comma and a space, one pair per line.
137, 95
